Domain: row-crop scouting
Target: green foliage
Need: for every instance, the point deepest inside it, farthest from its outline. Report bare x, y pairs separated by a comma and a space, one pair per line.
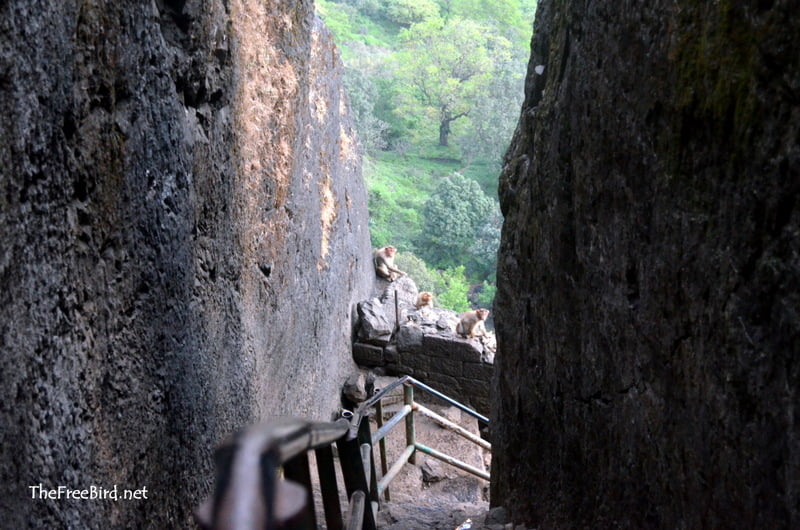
363, 94
487, 137
392, 223
453, 215
398, 190
483, 250
369, 7
407, 12
486, 296
422, 70
340, 19
451, 289
444, 69
417, 270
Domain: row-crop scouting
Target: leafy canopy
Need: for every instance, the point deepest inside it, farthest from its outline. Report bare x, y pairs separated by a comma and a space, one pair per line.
452, 288
435, 88
407, 12
445, 68
453, 216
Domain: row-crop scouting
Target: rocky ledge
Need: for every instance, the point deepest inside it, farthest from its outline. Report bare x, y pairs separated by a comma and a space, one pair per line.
402, 340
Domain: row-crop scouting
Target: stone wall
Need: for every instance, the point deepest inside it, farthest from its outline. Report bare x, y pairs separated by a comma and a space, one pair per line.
648, 306
184, 235
424, 346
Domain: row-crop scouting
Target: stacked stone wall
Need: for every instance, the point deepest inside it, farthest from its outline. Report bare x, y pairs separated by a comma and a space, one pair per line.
426, 347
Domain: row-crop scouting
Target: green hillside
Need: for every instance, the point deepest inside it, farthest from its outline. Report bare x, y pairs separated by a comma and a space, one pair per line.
435, 87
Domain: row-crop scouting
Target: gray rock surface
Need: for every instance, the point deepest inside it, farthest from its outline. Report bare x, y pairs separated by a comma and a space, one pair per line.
424, 346
355, 387
183, 238
648, 305
375, 326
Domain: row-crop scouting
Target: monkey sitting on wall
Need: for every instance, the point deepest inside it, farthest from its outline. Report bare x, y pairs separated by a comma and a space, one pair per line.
471, 324
424, 299
383, 258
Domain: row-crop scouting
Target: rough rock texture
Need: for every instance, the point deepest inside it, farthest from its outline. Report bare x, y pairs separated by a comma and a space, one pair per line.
183, 235
374, 324
424, 346
648, 307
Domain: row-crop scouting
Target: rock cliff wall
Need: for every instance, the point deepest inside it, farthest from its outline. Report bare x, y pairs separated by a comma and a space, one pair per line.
648, 306
184, 235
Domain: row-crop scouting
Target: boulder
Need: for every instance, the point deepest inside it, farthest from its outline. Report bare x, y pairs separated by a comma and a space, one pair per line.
375, 326
355, 388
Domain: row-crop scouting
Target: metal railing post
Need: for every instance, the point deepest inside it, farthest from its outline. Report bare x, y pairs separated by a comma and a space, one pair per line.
365, 439
396, 311
329, 488
408, 398
297, 469
354, 476
382, 445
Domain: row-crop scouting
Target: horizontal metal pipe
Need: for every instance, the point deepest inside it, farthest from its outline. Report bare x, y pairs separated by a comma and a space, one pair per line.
453, 402
447, 424
395, 469
362, 410
393, 421
452, 461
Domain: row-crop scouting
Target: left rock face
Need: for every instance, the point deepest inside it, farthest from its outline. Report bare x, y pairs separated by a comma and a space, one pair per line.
184, 234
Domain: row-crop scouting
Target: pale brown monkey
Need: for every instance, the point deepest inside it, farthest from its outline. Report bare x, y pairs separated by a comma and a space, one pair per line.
383, 258
471, 324
424, 299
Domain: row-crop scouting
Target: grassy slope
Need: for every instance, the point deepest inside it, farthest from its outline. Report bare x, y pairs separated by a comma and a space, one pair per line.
398, 184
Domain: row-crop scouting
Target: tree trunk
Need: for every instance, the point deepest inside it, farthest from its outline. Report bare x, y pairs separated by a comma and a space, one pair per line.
444, 132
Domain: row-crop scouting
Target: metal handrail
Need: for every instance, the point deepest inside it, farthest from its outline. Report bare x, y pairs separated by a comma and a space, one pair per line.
250, 492
362, 409
412, 445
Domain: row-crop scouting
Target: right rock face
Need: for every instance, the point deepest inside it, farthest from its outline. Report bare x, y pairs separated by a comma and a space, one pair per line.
648, 306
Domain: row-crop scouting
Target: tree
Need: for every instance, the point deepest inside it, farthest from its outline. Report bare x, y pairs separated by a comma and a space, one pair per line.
486, 241
407, 12
363, 94
504, 12
452, 289
445, 68
486, 295
453, 216
488, 132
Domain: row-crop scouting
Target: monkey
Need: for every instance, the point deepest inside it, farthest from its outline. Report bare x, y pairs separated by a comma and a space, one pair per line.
383, 258
471, 324
424, 299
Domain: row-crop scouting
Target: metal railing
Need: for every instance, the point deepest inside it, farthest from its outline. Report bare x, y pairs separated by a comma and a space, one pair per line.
412, 445
264, 480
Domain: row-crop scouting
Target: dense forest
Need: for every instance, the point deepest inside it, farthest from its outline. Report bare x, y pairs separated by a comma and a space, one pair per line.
435, 88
